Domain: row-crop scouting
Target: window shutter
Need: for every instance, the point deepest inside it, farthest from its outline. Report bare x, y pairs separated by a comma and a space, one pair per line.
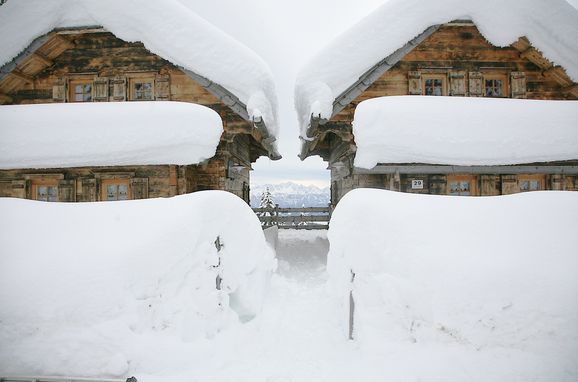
476, 84
518, 80
162, 87
59, 90
119, 89
66, 191
89, 190
414, 79
458, 84
140, 188
100, 89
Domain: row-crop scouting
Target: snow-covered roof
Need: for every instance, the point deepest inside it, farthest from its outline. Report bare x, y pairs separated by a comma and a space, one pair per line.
464, 131
166, 28
550, 25
107, 134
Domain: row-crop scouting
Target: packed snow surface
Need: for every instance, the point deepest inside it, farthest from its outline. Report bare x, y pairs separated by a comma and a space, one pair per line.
464, 131
549, 25
460, 288
115, 289
107, 134
166, 28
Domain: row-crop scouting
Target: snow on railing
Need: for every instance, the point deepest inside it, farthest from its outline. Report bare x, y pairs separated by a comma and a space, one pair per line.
295, 218
63, 379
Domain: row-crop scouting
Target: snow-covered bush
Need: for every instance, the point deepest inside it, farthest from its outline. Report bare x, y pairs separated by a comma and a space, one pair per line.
104, 289
488, 284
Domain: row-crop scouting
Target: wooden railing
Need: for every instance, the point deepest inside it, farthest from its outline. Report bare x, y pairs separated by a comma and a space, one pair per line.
62, 379
295, 218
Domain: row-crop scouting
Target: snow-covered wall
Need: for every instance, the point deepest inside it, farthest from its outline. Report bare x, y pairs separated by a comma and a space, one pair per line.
166, 28
107, 134
115, 289
462, 288
464, 131
550, 25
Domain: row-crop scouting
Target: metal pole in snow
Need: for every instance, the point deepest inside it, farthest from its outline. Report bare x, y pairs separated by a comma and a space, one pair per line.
351, 306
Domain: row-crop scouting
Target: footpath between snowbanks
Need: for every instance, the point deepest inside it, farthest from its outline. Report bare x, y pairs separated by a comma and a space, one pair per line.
107, 289
467, 288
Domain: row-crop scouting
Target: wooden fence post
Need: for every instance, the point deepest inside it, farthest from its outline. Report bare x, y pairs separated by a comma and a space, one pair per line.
351, 306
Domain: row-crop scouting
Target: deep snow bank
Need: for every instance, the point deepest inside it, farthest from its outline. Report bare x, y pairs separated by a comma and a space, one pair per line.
118, 288
107, 134
485, 282
464, 131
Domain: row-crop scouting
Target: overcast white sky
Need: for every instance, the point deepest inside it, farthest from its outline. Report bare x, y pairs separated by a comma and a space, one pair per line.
285, 34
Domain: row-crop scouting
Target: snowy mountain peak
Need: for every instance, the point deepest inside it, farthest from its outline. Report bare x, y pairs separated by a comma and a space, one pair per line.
290, 194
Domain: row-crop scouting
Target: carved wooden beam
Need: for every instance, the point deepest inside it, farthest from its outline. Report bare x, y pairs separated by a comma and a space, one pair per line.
5, 99
536, 57
63, 41
558, 74
522, 44
572, 89
45, 60
21, 76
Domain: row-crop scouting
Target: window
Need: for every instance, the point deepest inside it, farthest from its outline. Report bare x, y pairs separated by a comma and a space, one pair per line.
141, 89
434, 85
461, 185
494, 88
116, 189
45, 190
80, 91
495, 85
531, 183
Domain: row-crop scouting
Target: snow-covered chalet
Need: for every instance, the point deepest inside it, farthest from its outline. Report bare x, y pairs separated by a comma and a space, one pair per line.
457, 97
115, 100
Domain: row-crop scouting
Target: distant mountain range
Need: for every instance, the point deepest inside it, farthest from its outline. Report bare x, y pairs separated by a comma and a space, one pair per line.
291, 194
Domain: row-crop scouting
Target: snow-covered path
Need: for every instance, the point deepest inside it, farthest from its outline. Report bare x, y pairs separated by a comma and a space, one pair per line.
296, 337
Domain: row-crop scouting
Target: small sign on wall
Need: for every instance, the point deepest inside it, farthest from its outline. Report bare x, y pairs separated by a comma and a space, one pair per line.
417, 184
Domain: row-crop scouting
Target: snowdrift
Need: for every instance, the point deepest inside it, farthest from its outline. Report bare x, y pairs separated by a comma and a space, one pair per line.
462, 288
120, 288
464, 131
107, 134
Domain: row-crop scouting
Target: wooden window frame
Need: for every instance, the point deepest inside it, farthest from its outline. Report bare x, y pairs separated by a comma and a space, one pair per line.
435, 76
132, 81
72, 83
497, 76
472, 179
43, 182
104, 183
541, 179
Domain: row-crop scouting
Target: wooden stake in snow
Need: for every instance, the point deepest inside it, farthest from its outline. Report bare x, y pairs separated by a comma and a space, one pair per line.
219, 246
351, 306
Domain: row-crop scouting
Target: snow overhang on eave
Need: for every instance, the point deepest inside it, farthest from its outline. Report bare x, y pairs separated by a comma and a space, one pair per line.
228, 98
362, 84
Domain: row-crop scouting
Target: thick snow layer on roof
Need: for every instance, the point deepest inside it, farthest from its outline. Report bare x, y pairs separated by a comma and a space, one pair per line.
486, 285
550, 25
464, 131
116, 289
107, 134
166, 28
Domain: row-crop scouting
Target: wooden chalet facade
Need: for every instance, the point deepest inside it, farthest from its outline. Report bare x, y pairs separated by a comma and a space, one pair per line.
92, 65
455, 60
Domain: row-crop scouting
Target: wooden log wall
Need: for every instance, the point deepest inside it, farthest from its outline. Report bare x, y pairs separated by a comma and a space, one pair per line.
110, 64
452, 51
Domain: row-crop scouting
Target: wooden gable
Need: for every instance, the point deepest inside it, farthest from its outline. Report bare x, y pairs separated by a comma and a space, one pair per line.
458, 54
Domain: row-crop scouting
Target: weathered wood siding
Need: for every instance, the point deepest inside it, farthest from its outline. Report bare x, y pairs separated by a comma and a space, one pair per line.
458, 53
110, 64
